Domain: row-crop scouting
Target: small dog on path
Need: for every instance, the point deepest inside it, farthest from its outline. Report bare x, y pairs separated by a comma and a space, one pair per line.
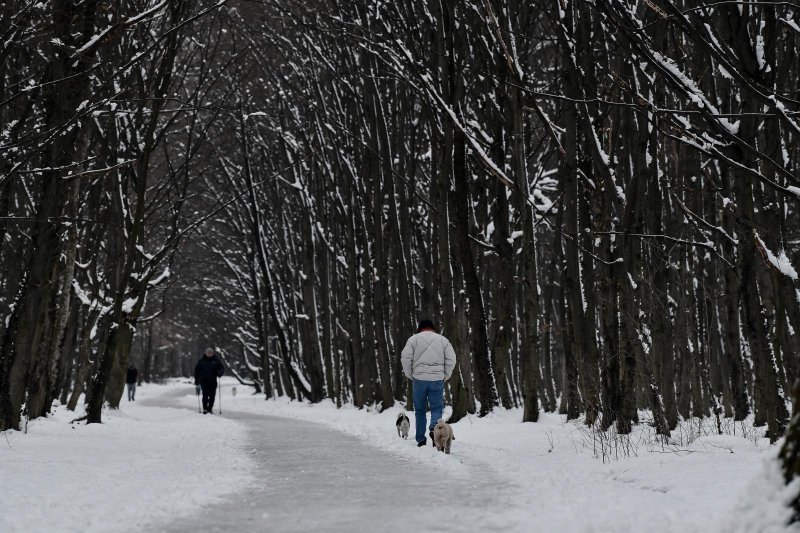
402, 425
443, 436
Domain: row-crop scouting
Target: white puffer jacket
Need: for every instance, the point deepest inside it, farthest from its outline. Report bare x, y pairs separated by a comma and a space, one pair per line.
428, 356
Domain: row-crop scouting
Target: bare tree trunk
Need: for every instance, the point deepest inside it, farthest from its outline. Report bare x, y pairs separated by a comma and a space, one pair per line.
479, 342
28, 352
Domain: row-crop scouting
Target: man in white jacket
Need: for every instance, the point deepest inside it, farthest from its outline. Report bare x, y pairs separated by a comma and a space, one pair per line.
428, 360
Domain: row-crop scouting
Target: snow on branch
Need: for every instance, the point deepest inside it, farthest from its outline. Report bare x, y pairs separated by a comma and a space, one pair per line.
694, 93
779, 263
106, 35
393, 59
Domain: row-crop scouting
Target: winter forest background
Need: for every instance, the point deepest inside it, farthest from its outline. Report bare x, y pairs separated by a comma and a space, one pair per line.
596, 201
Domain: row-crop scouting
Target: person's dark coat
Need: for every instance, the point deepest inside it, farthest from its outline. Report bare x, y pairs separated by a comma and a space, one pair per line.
131, 375
208, 369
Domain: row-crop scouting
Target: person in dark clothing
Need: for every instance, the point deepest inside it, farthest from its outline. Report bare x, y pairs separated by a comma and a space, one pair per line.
206, 372
131, 377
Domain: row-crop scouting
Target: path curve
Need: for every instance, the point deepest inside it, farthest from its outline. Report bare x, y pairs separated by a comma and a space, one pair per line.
312, 478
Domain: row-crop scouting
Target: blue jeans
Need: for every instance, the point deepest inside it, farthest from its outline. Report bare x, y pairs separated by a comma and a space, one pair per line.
427, 393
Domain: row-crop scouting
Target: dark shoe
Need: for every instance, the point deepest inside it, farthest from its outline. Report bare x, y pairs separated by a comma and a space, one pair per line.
433, 442
422, 443
205, 412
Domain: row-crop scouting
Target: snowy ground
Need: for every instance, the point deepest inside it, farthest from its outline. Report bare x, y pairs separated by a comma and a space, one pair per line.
142, 468
557, 479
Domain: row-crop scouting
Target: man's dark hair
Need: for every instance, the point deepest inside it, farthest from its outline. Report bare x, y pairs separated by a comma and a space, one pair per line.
425, 324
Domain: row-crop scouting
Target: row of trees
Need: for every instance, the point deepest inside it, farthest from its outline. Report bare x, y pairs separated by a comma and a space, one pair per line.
596, 201
98, 135
599, 220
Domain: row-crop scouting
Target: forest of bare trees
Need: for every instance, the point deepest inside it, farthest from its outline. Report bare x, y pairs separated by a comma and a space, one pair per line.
596, 202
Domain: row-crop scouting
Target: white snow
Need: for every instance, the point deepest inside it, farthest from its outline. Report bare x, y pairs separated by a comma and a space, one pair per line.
146, 13
764, 504
161, 277
89, 43
780, 262
255, 114
80, 293
140, 249
694, 93
544, 203
128, 305
142, 466
792, 24
146, 466
556, 476
760, 49
724, 72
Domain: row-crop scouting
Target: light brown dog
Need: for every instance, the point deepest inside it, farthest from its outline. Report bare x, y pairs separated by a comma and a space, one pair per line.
443, 436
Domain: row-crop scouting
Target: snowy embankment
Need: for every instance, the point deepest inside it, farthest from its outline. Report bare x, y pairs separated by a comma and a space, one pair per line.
148, 466
558, 479
142, 466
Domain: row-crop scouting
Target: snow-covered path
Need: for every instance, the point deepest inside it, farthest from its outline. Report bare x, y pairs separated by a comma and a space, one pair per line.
278, 465
312, 478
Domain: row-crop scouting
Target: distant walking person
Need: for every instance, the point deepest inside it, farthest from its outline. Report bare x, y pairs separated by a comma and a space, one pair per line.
131, 377
206, 372
428, 360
